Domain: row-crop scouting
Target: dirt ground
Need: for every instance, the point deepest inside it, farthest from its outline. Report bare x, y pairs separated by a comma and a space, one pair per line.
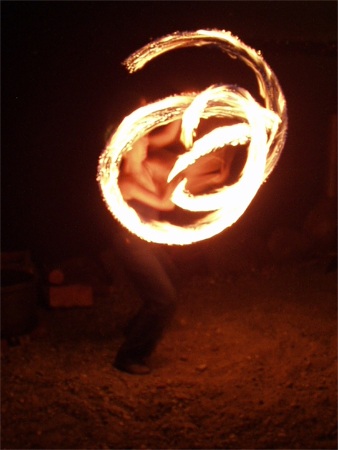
249, 363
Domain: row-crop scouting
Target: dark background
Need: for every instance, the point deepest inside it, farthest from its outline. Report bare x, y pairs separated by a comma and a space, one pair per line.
63, 85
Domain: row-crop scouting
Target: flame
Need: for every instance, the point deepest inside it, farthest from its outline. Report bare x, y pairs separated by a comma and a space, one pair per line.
262, 129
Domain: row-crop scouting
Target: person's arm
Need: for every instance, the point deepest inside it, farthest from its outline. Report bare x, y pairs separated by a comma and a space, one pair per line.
209, 172
132, 190
165, 136
160, 164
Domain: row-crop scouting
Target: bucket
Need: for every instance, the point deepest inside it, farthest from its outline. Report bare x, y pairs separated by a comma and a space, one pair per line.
18, 303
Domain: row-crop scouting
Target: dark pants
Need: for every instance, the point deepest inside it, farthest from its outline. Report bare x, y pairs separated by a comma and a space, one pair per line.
153, 274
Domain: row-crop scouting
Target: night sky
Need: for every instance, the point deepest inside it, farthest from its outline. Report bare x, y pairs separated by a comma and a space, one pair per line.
63, 85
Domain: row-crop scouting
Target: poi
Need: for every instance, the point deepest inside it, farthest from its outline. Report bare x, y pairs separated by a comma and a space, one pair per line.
261, 127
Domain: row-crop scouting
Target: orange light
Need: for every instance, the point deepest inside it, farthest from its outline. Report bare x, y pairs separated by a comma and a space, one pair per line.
261, 128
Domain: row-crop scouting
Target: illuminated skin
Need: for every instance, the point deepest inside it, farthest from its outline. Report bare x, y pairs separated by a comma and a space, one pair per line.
209, 173
146, 180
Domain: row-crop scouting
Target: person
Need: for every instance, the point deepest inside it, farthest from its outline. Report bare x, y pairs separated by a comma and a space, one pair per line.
143, 184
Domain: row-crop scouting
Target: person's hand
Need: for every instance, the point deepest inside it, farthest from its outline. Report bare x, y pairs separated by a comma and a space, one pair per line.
173, 185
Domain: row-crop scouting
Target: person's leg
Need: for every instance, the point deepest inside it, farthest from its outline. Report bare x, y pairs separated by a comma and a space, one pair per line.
158, 295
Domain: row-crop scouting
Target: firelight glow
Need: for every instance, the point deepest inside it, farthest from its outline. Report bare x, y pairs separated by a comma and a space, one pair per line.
261, 128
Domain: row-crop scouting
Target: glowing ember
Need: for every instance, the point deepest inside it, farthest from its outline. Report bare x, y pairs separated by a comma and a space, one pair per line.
261, 129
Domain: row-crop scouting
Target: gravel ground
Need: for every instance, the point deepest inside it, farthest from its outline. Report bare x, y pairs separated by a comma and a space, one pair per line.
249, 363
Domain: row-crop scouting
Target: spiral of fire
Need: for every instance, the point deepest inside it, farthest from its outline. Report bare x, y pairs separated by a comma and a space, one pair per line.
262, 127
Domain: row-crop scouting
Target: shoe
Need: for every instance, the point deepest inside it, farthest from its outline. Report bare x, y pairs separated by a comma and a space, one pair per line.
134, 368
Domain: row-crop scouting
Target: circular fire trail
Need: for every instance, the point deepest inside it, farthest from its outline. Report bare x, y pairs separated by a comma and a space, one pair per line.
262, 128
